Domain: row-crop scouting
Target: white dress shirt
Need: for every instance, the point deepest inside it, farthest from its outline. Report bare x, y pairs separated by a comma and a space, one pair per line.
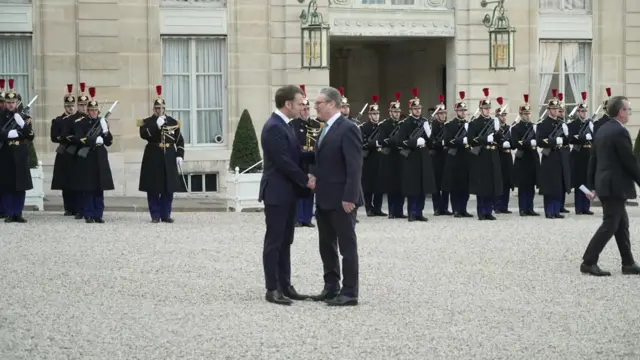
283, 116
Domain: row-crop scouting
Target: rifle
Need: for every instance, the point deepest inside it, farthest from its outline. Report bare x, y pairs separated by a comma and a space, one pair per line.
359, 116
95, 131
557, 131
459, 135
62, 148
367, 152
419, 131
528, 135
475, 150
387, 151
11, 124
587, 126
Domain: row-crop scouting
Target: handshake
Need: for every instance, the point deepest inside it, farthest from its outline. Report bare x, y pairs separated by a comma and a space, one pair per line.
311, 184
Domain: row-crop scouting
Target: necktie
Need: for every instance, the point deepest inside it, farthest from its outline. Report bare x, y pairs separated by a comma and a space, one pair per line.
324, 131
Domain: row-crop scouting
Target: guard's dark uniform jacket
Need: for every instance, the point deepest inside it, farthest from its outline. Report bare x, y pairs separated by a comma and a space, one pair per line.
526, 165
581, 150
372, 156
456, 168
485, 178
554, 178
62, 134
94, 172
159, 170
438, 151
506, 159
302, 128
417, 174
14, 155
603, 120
391, 164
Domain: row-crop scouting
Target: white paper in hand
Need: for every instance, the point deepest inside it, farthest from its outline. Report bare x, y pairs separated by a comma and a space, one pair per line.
585, 190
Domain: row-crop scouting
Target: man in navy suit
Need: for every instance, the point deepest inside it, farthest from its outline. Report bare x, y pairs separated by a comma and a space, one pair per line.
283, 181
337, 174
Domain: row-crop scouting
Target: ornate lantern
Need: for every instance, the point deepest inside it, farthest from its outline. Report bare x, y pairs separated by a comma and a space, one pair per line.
314, 36
501, 37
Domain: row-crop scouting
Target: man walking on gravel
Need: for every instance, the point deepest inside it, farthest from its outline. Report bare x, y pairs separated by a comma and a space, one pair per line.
613, 170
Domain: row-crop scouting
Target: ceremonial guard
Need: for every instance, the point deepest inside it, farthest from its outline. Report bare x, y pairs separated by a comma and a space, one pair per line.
417, 175
438, 151
15, 135
63, 171
3, 213
565, 148
485, 177
162, 158
371, 162
390, 171
581, 137
307, 131
93, 173
526, 165
455, 180
503, 141
83, 99
605, 117
554, 176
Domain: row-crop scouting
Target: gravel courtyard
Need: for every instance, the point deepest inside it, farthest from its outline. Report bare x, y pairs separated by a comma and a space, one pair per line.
447, 289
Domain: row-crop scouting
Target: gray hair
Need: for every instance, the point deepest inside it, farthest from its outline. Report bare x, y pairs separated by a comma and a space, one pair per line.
332, 94
615, 105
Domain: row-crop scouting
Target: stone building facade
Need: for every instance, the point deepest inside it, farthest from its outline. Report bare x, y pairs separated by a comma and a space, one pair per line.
217, 58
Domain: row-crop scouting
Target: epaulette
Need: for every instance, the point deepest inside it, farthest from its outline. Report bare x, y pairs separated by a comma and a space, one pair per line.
139, 122
179, 123
80, 118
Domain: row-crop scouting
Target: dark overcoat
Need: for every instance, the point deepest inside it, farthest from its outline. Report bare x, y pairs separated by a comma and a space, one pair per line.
371, 155
579, 133
63, 165
438, 152
417, 175
391, 162
485, 173
92, 173
159, 169
526, 164
554, 177
456, 168
14, 154
506, 157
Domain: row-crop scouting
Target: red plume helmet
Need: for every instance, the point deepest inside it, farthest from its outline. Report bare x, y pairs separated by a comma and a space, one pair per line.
608, 90
69, 88
398, 95
500, 100
560, 96
304, 90
1, 83
526, 98
341, 91
486, 92
11, 82
584, 95
554, 93
375, 99
159, 90
441, 99
462, 95
415, 92
92, 92
82, 87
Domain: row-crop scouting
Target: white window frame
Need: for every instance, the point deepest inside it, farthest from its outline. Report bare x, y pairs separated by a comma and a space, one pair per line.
26, 97
189, 176
193, 91
562, 9
193, 3
562, 75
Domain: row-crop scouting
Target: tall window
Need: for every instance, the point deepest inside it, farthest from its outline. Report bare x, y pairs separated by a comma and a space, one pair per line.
15, 63
566, 5
194, 79
565, 66
392, 2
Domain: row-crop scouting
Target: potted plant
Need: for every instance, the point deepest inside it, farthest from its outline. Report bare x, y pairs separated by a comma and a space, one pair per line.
245, 165
35, 196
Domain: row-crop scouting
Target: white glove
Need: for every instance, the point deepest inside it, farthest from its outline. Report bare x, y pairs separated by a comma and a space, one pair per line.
421, 142
506, 145
19, 120
179, 161
464, 140
565, 129
427, 128
13, 134
160, 121
442, 142
533, 143
99, 140
490, 138
588, 137
496, 124
103, 123
378, 144
559, 141
466, 127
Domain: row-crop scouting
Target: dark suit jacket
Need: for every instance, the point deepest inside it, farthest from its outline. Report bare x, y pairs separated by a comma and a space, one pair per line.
613, 168
338, 166
283, 181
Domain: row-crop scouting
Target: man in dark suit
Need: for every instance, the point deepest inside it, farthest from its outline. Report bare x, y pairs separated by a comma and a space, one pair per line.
283, 181
613, 170
337, 174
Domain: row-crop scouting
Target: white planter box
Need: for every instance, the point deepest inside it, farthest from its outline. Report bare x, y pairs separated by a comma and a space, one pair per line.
35, 196
243, 191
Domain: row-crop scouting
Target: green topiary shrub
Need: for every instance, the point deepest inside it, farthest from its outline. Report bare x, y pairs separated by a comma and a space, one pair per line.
245, 151
33, 156
636, 146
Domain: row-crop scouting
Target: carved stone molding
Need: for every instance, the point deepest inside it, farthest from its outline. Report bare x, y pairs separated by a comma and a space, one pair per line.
418, 4
392, 23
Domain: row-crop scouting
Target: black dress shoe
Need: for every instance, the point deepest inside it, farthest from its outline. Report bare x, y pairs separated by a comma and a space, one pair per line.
276, 297
292, 294
8, 219
588, 212
421, 218
89, 220
168, 220
379, 213
458, 215
19, 219
523, 213
342, 300
326, 294
98, 221
68, 213
564, 211
550, 216
370, 213
298, 224
631, 269
447, 213
309, 225
558, 216
593, 270
79, 217
490, 217
3, 216
437, 213
506, 212
532, 213
155, 221
466, 214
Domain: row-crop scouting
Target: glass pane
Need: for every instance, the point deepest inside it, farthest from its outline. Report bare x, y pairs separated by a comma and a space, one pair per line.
551, 4
196, 183
577, 4
210, 130
185, 117
183, 186
210, 56
373, 2
211, 182
175, 56
210, 91
576, 59
403, 2
554, 84
15, 63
